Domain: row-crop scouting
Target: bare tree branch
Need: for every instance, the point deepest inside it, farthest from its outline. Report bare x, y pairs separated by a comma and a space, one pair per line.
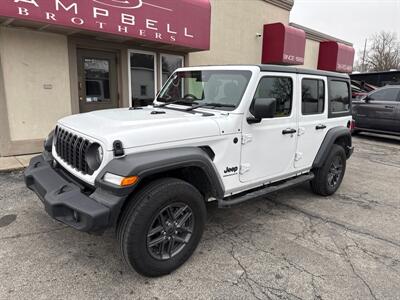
383, 53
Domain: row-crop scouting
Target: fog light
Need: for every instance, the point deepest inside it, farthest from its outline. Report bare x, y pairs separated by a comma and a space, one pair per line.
120, 180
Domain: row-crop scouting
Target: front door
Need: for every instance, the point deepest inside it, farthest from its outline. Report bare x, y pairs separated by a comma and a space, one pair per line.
97, 80
269, 147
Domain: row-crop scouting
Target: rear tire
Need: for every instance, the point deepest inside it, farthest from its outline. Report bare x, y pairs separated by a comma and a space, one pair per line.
329, 177
161, 227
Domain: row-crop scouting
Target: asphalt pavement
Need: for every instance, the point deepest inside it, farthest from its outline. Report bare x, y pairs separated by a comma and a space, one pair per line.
289, 245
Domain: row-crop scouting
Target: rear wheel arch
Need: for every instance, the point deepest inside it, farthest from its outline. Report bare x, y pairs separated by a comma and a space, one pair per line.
335, 136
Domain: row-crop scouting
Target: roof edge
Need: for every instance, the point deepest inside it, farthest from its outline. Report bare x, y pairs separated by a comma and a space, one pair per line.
285, 4
317, 36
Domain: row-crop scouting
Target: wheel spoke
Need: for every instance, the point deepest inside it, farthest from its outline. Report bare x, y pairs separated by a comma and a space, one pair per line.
180, 211
180, 240
330, 179
184, 230
154, 231
170, 247
162, 220
184, 219
156, 242
171, 215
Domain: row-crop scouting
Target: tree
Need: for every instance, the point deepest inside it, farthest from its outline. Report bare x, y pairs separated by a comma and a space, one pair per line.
383, 54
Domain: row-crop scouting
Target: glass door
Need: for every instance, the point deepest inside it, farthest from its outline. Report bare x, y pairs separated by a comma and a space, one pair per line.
168, 64
142, 75
97, 80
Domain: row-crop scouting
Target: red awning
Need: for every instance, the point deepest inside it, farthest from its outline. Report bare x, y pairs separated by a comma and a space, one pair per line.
177, 22
336, 57
283, 45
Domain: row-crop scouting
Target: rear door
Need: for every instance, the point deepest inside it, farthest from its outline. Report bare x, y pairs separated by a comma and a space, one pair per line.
313, 114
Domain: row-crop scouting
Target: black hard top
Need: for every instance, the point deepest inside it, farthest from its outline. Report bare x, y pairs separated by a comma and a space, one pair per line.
286, 69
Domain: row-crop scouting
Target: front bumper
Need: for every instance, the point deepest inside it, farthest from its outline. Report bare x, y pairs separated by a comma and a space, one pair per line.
65, 200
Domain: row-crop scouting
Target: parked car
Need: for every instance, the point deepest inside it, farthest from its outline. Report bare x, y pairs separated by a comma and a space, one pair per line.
378, 112
360, 89
225, 133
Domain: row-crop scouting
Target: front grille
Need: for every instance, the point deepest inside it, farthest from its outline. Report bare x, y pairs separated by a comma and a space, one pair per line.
72, 150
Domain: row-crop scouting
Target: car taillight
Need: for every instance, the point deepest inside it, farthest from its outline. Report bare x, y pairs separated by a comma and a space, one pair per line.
351, 125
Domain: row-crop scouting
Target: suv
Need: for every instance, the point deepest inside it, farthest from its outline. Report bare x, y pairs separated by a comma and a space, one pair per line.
217, 133
378, 112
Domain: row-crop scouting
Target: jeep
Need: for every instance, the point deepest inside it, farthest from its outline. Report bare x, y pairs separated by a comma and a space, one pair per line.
214, 133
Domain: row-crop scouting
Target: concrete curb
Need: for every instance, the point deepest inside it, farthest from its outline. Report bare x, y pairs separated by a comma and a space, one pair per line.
14, 163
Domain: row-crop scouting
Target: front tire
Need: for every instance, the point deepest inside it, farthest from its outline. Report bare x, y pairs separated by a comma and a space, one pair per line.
161, 227
329, 177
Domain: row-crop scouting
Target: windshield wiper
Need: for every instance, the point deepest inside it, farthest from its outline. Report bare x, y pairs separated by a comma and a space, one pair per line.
178, 101
212, 105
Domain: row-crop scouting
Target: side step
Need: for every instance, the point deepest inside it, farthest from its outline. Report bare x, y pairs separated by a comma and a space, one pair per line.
267, 190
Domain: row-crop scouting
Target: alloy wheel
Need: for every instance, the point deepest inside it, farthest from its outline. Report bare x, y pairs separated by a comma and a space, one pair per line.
170, 231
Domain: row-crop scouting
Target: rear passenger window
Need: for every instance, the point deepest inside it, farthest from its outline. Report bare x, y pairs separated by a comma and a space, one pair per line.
280, 88
313, 96
339, 96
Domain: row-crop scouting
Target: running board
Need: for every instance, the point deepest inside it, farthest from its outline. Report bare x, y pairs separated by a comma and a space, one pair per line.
267, 190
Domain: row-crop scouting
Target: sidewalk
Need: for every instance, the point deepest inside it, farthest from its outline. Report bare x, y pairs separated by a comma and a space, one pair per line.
14, 163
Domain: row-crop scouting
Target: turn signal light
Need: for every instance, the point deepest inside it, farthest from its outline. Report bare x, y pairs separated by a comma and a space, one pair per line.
127, 181
119, 180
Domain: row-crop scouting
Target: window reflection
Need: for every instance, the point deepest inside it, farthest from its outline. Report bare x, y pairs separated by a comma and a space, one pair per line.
313, 96
169, 63
339, 96
142, 70
280, 88
97, 80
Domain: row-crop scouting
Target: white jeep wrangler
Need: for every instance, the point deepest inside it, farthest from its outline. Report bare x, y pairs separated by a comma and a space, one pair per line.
216, 133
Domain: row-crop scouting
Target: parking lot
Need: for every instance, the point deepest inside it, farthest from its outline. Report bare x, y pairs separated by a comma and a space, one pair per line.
289, 245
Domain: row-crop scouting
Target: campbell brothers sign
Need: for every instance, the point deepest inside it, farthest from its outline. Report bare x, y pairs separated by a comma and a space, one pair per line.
184, 23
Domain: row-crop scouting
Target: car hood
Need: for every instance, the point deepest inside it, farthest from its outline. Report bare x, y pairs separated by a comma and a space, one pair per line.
142, 127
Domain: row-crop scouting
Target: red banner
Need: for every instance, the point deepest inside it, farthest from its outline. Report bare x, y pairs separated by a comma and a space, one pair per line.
283, 45
336, 57
177, 22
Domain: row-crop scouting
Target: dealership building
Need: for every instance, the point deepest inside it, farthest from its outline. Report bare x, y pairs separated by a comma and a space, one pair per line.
63, 57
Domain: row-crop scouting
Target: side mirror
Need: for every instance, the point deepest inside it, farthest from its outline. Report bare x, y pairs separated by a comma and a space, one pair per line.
367, 98
263, 108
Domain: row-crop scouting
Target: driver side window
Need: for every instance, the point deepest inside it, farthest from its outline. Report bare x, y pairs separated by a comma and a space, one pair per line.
388, 94
280, 88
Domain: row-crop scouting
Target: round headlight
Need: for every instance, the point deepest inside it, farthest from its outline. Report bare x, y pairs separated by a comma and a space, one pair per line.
94, 156
99, 154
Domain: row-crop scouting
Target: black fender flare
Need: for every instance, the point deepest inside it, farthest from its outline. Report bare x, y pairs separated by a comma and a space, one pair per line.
153, 162
331, 137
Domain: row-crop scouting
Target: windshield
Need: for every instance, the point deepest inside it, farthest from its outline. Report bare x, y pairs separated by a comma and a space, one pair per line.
216, 89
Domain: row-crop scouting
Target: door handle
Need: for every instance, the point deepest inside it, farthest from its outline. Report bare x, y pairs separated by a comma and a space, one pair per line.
320, 127
389, 106
289, 131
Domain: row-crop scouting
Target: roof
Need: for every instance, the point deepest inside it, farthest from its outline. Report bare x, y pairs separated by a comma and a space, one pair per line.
286, 69
319, 36
273, 68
